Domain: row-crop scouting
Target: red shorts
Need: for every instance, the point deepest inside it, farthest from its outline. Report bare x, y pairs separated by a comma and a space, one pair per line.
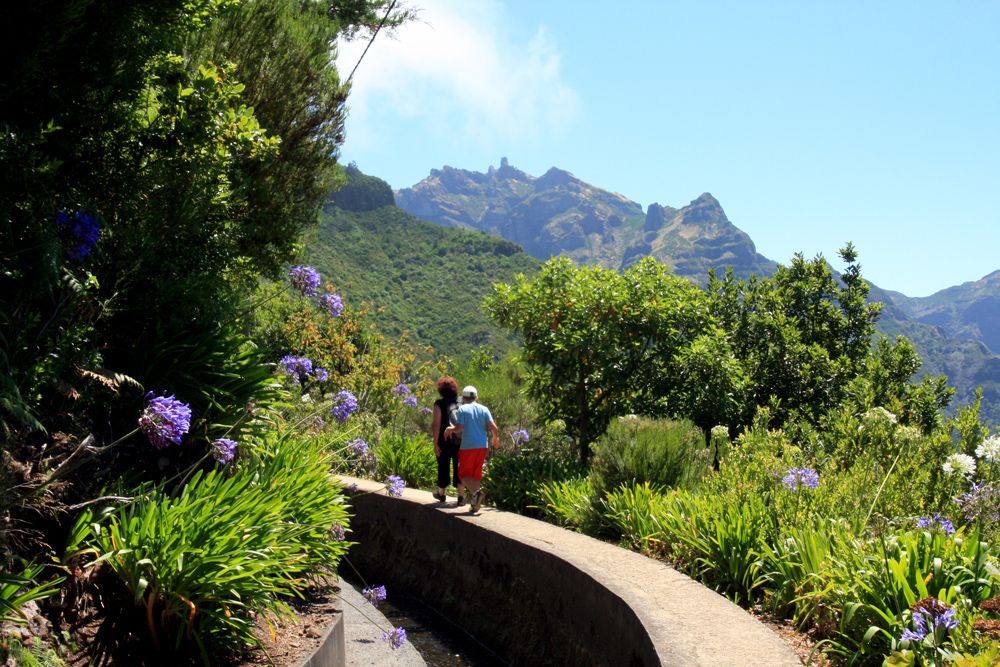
470, 463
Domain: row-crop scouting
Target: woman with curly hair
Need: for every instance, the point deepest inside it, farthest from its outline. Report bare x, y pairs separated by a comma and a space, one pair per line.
446, 448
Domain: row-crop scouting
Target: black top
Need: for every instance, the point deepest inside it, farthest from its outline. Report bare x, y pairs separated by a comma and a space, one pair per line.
445, 405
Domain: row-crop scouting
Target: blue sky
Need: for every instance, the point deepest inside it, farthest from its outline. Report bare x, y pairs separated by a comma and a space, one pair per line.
812, 123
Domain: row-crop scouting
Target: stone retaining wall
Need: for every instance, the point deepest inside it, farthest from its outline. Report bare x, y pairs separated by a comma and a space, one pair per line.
541, 595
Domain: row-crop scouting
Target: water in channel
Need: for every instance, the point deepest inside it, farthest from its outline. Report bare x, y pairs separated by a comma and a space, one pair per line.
438, 640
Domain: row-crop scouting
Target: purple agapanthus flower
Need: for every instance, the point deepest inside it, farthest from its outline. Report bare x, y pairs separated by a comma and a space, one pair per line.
320, 374
223, 450
394, 486
937, 522
83, 231
981, 502
165, 420
298, 367
374, 594
396, 637
401, 389
797, 478
305, 279
344, 405
358, 446
332, 304
520, 436
410, 401
929, 616
352, 487
425, 410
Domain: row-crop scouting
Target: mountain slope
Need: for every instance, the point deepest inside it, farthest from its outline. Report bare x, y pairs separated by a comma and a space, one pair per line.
970, 311
422, 279
558, 214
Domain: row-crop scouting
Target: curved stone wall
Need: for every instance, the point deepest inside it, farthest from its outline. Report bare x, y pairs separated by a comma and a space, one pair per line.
541, 595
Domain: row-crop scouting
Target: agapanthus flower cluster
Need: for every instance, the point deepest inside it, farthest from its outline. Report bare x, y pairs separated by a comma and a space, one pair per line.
338, 533
344, 405
720, 432
320, 374
223, 450
305, 279
401, 389
332, 304
358, 446
981, 502
520, 436
165, 420
425, 410
375, 595
83, 231
937, 522
394, 486
410, 401
396, 637
297, 367
797, 478
929, 616
989, 450
959, 464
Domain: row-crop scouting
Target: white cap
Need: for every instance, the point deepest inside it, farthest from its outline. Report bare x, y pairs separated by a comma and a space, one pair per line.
469, 392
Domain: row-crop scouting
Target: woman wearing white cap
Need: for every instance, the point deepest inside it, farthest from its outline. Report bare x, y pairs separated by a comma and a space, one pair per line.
474, 423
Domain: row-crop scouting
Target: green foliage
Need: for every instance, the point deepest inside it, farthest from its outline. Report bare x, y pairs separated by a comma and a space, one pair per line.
598, 342
502, 387
16, 590
222, 377
362, 192
632, 512
409, 456
719, 539
568, 503
662, 453
512, 477
12, 651
205, 562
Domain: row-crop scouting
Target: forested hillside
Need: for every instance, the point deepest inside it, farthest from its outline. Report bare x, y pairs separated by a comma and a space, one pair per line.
421, 278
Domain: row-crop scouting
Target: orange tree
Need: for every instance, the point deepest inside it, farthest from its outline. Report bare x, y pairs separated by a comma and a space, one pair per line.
599, 343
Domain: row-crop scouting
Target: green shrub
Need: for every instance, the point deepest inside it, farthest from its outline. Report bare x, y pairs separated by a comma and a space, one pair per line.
877, 580
715, 538
568, 503
512, 478
664, 453
409, 456
17, 590
632, 513
204, 563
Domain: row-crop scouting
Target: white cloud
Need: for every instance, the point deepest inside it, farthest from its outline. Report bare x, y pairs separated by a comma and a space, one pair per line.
457, 70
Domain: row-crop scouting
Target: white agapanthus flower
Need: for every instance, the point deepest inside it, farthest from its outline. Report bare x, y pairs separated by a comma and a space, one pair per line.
990, 449
960, 464
720, 432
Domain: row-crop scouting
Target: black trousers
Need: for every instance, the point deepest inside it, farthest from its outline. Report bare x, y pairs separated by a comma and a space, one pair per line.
449, 455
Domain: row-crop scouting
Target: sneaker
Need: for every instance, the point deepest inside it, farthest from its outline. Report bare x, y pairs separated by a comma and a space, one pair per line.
440, 497
461, 501
477, 501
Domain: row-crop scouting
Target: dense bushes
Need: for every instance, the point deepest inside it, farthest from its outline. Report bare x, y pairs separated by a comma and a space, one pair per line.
635, 450
205, 561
